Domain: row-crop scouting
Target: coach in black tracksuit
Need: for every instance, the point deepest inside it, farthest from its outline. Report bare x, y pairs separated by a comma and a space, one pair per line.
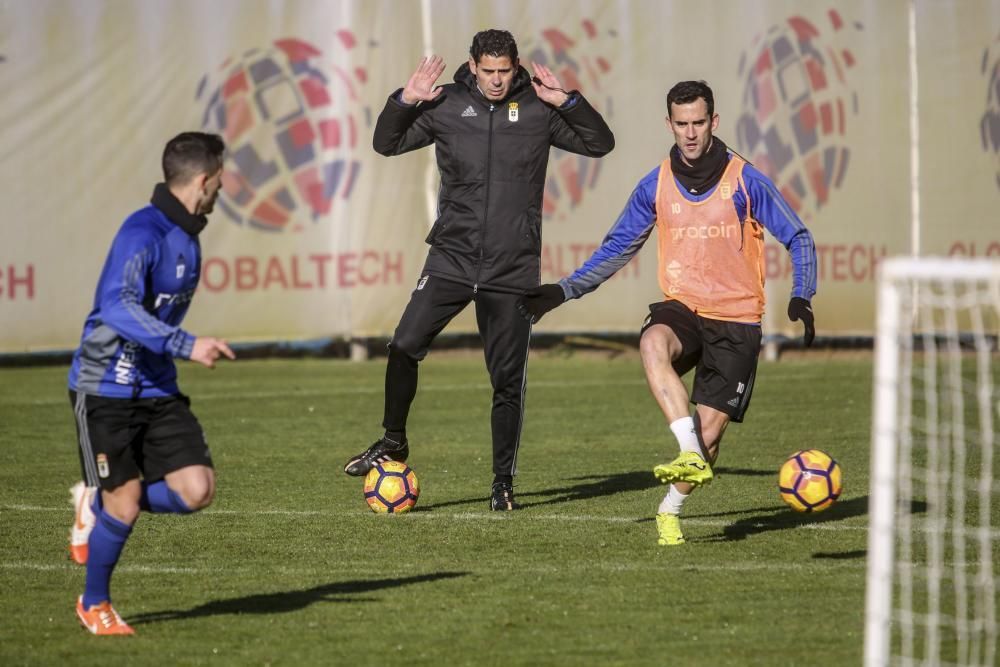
492, 129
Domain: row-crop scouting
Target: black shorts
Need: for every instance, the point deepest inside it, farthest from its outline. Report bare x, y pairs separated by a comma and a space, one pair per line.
122, 439
724, 355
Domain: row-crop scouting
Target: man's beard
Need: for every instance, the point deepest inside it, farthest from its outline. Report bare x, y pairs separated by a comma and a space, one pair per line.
207, 204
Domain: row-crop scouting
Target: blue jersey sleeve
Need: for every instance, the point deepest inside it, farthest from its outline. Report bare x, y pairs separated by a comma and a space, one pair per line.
625, 238
123, 295
770, 209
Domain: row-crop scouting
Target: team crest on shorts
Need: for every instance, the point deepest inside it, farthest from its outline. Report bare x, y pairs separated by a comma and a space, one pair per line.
512, 112
103, 470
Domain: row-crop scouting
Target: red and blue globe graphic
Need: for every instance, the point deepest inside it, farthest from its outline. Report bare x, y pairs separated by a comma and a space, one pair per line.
576, 57
291, 119
798, 105
989, 126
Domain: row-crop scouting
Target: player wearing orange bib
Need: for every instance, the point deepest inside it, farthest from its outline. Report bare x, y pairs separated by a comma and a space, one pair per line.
710, 209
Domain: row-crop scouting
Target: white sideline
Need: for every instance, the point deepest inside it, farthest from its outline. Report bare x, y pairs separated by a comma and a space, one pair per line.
524, 515
350, 568
527, 515
365, 567
774, 374
379, 390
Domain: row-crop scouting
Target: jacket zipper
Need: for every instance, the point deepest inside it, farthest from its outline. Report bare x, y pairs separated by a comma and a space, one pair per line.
486, 203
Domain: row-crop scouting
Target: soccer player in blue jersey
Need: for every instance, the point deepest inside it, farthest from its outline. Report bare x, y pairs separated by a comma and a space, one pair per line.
139, 442
710, 208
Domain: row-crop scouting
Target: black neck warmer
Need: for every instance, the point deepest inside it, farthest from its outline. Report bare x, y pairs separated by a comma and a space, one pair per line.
705, 172
165, 200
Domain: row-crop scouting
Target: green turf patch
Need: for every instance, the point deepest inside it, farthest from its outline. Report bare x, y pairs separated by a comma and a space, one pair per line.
289, 566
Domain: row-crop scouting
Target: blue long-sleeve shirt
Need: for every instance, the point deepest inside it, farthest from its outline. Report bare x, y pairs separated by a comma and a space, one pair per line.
638, 218
133, 333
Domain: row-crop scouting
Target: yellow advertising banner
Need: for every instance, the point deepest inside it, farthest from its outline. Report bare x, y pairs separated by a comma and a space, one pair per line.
880, 126
958, 84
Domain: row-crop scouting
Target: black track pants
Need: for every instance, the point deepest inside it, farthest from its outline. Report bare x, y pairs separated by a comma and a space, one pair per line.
505, 335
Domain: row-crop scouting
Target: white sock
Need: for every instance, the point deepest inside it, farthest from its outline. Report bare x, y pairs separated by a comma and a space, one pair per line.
683, 430
673, 501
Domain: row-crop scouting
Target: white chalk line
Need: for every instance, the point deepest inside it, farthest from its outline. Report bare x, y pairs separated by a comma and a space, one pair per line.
525, 515
376, 388
364, 568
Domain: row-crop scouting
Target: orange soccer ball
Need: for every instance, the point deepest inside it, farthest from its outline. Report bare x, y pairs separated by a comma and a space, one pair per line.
810, 481
391, 488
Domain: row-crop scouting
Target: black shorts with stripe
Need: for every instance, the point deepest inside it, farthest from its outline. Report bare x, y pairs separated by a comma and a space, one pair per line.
122, 439
723, 354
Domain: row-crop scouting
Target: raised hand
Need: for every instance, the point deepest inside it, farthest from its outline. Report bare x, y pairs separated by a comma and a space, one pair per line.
420, 87
207, 349
550, 90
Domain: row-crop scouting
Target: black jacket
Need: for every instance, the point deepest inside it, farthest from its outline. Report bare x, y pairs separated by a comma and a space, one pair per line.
492, 159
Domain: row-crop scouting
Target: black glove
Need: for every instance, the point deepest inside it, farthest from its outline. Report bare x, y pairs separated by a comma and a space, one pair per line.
799, 309
536, 302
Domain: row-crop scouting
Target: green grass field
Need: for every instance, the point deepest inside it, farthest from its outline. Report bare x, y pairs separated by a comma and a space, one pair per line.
289, 566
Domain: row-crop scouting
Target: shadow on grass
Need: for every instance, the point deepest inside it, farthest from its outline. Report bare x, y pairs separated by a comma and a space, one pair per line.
709, 515
592, 486
785, 519
840, 555
278, 603
758, 510
722, 471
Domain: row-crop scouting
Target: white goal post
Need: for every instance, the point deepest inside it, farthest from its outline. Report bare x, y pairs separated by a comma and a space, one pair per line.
934, 504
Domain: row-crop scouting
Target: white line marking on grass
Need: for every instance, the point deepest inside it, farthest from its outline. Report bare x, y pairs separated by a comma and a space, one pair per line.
365, 568
38, 508
142, 569
523, 515
527, 516
33, 508
275, 512
378, 389
373, 390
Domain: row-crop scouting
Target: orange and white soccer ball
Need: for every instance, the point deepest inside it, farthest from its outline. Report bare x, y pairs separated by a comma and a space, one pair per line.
810, 481
391, 488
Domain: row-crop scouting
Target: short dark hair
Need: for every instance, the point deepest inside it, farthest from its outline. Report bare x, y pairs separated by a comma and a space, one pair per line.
192, 153
496, 43
687, 92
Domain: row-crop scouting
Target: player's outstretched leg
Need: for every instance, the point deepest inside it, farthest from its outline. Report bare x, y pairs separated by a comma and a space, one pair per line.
688, 467
83, 497
380, 451
668, 526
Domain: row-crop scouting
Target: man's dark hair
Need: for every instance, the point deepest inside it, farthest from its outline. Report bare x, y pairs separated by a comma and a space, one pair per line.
687, 92
192, 153
496, 43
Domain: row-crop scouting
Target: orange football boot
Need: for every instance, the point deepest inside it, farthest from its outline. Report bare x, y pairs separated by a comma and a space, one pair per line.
102, 619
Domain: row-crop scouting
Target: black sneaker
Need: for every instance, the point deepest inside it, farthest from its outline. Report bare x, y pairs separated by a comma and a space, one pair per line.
502, 498
381, 450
